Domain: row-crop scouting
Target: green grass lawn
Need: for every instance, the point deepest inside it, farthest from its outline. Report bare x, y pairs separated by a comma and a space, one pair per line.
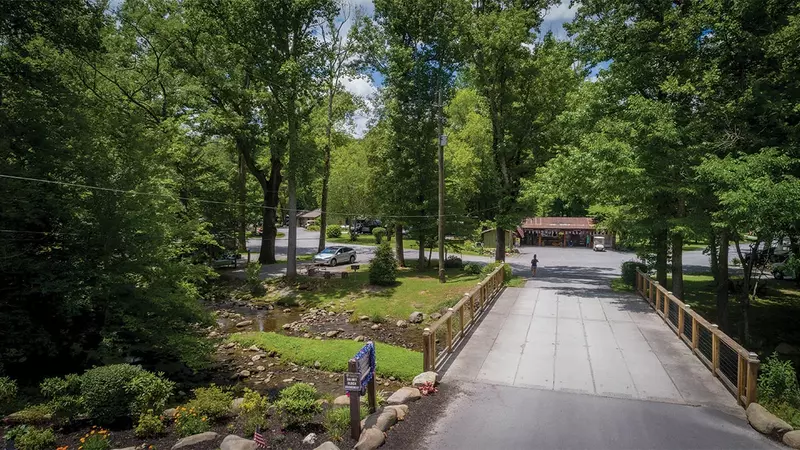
516, 281
773, 314
333, 354
694, 246
619, 285
414, 291
408, 244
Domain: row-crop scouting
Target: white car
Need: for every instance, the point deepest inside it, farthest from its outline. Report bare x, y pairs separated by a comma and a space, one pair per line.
332, 256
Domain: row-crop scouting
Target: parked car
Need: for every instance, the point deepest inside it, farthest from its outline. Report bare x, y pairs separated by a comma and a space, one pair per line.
781, 271
335, 255
366, 226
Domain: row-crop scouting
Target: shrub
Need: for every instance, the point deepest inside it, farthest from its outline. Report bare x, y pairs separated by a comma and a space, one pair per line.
150, 392
298, 404
337, 421
211, 402
777, 382
377, 317
8, 393
149, 425
96, 439
333, 231
472, 268
453, 262
252, 277
104, 391
254, 411
65, 397
489, 268
353, 235
189, 422
383, 268
30, 438
379, 233
312, 227
629, 271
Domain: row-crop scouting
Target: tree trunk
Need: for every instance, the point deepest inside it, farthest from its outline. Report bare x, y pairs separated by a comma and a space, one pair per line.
398, 236
713, 245
722, 281
291, 253
677, 265
744, 294
269, 233
269, 187
326, 173
661, 247
242, 182
500, 249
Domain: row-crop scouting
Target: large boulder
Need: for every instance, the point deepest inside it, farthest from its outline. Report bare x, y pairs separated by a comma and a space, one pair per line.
196, 440
792, 439
400, 411
416, 317
341, 400
404, 395
371, 438
425, 377
328, 445
236, 406
382, 419
766, 422
244, 323
233, 442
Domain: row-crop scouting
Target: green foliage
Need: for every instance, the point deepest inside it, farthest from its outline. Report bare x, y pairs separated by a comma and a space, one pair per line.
777, 382
149, 425
377, 317
105, 391
212, 402
35, 414
8, 393
472, 268
379, 233
620, 285
15, 432
189, 422
31, 438
64, 394
333, 354
383, 268
253, 278
489, 268
629, 269
333, 231
453, 262
254, 411
312, 227
151, 392
298, 404
337, 421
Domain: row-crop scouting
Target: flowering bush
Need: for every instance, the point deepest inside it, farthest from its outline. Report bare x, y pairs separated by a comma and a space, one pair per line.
96, 439
428, 388
212, 402
254, 411
189, 422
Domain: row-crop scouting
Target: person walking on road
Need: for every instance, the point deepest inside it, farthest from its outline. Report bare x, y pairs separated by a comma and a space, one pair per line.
534, 263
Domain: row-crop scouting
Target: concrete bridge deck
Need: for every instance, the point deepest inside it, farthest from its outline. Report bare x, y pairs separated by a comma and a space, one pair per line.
567, 363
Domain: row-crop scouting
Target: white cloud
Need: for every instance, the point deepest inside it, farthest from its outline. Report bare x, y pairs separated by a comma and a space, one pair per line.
364, 88
561, 13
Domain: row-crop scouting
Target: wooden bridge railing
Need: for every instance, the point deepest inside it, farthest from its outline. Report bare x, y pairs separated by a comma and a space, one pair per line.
442, 336
736, 368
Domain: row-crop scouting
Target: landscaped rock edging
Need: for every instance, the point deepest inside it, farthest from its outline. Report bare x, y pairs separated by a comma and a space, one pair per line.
196, 440
328, 445
234, 442
404, 395
792, 439
425, 377
765, 422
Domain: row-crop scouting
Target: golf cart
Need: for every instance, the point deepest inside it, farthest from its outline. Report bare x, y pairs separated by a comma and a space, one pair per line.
599, 244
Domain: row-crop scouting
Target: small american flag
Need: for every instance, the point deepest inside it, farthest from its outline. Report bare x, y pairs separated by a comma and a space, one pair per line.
258, 437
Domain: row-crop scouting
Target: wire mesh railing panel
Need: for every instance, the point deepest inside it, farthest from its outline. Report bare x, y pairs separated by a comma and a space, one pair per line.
704, 343
673, 313
687, 326
728, 362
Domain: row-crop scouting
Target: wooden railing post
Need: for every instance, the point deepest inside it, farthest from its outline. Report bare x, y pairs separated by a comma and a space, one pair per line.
482, 298
666, 305
680, 322
654, 293
741, 379
450, 330
752, 379
695, 333
426, 351
714, 350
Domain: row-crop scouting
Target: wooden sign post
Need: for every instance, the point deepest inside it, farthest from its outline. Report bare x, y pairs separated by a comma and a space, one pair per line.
360, 377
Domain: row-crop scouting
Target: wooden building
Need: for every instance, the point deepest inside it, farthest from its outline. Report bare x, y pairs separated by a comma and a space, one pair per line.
562, 232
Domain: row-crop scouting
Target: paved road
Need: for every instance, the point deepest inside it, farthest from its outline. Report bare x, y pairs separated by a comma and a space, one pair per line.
566, 363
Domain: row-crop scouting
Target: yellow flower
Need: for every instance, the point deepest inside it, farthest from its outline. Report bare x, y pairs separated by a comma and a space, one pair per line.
203, 419
83, 440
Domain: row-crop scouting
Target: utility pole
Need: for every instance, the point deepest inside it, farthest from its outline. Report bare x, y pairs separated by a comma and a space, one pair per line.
442, 142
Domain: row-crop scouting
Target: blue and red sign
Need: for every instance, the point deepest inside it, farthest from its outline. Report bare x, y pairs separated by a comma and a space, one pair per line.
365, 361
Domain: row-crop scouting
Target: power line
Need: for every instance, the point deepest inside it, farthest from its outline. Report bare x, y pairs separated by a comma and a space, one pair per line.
254, 205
